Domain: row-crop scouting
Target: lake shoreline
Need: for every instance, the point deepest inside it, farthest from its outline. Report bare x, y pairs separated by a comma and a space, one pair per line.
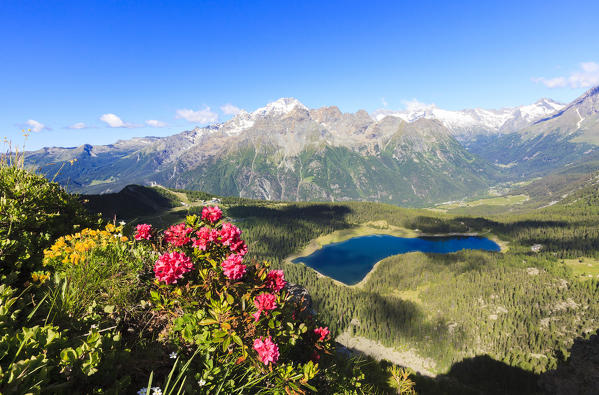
340, 236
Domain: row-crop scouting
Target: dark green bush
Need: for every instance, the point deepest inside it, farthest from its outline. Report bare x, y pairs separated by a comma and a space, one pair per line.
33, 213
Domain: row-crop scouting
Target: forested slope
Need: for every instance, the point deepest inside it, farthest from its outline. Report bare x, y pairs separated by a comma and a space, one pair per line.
518, 308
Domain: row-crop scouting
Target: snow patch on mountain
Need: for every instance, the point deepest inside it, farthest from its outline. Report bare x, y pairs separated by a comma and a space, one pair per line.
478, 119
581, 119
279, 107
240, 122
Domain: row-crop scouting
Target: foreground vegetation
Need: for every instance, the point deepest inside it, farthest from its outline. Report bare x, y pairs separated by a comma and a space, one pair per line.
511, 315
93, 307
489, 322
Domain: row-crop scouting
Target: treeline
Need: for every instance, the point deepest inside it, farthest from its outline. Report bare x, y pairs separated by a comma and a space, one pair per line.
521, 307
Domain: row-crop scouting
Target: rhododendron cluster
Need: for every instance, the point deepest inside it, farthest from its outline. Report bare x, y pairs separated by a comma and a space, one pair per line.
275, 280
230, 237
143, 231
171, 267
264, 302
267, 350
202, 296
211, 214
178, 235
322, 332
204, 236
232, 267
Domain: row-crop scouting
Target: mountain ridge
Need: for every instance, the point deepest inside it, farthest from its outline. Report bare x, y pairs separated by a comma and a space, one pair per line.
285, 150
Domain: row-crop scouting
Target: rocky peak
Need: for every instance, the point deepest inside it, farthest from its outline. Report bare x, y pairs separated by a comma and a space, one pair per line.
282, 106
326, 114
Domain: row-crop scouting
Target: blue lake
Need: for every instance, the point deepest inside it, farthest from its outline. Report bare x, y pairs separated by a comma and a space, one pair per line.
349, 261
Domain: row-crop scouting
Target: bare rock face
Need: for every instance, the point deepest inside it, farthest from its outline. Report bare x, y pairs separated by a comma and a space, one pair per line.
579, 374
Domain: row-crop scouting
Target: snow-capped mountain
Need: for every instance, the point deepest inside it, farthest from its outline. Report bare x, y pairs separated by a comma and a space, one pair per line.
287, 151
466, 123
565, 137
579, 119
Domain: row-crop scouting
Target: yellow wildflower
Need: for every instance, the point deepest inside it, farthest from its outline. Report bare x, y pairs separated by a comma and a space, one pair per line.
40, 276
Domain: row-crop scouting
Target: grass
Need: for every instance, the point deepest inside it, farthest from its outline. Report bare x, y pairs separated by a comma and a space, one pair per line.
586, 268
182, 196
413, 295
99, 182
369, 228
494, 201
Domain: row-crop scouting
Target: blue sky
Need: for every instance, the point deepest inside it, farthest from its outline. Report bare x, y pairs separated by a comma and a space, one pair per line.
109, 69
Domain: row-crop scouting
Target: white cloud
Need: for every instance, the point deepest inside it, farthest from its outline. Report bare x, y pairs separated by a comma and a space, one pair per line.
78, 125
36, 126
115, 122
229, 109
557, 82
587, 76
155, 123
201, 116
415, 105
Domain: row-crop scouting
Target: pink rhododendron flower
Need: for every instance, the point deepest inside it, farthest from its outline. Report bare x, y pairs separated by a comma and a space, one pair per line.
275, 280
256, 315
322, 332
143, 231
211, 214
239, 248
264, 302
178, 235
172, 266
230, 237
204, 236
267, 350
229, 234
232, 267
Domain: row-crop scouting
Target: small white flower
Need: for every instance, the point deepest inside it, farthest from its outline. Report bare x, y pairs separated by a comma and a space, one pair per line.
94, 326
173, 355
122, 223
142, 391
156, 391
202, 382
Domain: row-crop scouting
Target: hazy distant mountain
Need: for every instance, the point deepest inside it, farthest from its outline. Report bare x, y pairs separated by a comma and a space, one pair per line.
466, 123
579, 119
567, 136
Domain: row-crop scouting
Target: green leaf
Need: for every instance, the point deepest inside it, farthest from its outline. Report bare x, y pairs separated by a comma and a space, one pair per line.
68, 356
237, 340
226, 343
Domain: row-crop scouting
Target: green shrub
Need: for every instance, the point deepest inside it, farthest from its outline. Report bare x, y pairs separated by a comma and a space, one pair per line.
47, 358
33, 213
100, 266
251, 334
101, 313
